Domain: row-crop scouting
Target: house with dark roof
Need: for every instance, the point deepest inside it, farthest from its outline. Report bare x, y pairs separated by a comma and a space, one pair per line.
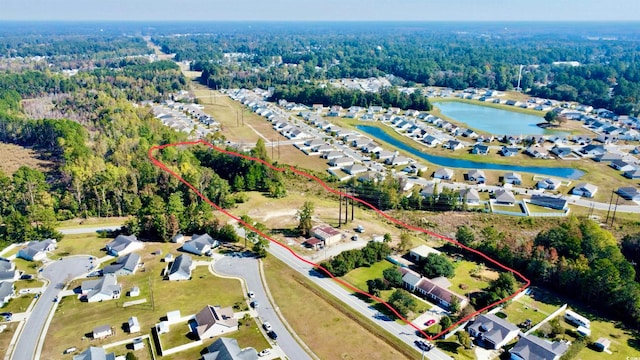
124, 244
480, 149
512, 178
214, 321
228, 349
180, 268
632, 174
509, 151
621, 165
453, 145
124, 265
629, 193
7, 291
8, 270
95, 353
585, 189
434, 290
492, 332
561, 152
548, 184
200, 244
593, 150
477, 176
37, 250
551, 202
531, 347
430, 140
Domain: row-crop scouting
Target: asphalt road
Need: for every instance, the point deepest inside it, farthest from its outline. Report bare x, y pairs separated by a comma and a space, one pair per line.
58, 273
247, 268
405, 333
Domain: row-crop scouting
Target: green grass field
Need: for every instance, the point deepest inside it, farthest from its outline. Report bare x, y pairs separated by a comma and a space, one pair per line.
463, 283
358, 277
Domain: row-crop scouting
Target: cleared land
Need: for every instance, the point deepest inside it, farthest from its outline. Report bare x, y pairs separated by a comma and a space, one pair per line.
12, 157
329, 332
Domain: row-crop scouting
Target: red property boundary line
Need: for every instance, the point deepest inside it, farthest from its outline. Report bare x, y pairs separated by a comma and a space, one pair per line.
164, 167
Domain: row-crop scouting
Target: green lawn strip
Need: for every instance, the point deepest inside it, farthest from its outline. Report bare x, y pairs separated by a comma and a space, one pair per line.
456, 350
330, 328
81, 244
27, 284
514, 209
162, 296
79, 223
541, 209
18, 304
27, 267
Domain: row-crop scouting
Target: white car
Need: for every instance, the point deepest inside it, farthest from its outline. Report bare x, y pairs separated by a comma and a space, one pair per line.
266, 326
251, 294
264, 352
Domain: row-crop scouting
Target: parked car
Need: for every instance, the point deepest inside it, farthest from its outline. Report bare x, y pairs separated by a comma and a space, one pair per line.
69, 350
264, 352
254, 304
251, 294
272, 334
430, 322
266, 326
423, 345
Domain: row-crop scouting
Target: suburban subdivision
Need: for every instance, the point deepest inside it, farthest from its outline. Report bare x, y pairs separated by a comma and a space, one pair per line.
278, 191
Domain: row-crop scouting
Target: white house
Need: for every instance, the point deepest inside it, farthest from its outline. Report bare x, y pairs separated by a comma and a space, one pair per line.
214, 321
181, 268
101, 332
585, 189
548, 184
512, 178
123, 245
133, 324
492, 332
37, 250
443, 173
200, 244
102, 289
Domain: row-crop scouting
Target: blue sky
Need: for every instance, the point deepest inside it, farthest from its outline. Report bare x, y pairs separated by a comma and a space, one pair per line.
337, 10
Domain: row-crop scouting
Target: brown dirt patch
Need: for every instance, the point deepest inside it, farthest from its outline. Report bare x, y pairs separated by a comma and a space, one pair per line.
12, 157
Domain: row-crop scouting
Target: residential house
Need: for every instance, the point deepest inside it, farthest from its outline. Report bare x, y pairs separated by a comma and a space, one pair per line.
561, 152
557, 203
7, 291
102, 289
470, 134
608, 157
385, 154
37, 250
509, 151
8, 270
629, 193
622, 166
133, 325
549, 184
477, 175
371, 148
531, 347
355, 169
512, 178
585, 189
430, 140
505, 197
433, 289
602, 344
593, 150
101, 332
397, 160
428, 190
214, 321
228, 349
480, 149
331, 155
124, 265
470, 196
421, 252
327, 234
180, 268
538, 152
443, 173
492, 332
200, 244
95, 353
124, 244
453, 145
632, 174
342, 161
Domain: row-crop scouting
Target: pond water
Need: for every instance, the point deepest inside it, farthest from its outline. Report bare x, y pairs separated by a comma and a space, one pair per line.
493, 121
378, 133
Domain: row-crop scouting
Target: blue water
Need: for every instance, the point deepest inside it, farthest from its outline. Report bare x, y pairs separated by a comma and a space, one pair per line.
493, 121
378, 133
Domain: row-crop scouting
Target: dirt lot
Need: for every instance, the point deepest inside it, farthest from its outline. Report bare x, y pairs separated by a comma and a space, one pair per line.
12, 157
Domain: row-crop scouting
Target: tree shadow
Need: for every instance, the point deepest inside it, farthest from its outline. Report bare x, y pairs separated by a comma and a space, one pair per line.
449, 346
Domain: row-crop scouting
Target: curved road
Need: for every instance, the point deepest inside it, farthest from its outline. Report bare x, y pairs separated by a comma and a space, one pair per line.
58, 273
247, 268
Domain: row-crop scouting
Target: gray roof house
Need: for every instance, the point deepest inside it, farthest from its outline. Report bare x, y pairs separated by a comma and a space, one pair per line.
37, 250
552, 202
228, 349
492, 332
548, 184
180, 268
585, 189
95, 353
470, 196
504, 197
477, 176
105, 288
355, 169
214, 321
632, 174
124, 265
512, 178
7, 290
443, 173
629, 193
200, 244
531, 347
123, 244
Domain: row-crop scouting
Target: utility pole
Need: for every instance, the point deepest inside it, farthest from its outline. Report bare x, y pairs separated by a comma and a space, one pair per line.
606, 221
614, 210
340, 211
237, 118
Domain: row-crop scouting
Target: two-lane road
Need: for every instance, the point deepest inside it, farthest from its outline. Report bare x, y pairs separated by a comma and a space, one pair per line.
58, 273
247, 268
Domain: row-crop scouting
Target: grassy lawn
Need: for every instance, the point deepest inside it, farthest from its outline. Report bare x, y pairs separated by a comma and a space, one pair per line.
18, 304
358, 277
514, 209
142, 354
6, 335
330, 329
178, 335
454, 349
162, 296
26, 284
79, 223
28, 267
81, 244
464, 283
540, 209
527, 308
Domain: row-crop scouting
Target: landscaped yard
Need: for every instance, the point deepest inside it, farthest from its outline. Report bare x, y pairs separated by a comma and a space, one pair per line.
18, 304
470, 277
527, 308
162, 296
142, 354
358, 277
329, 332
81, 244
517, 208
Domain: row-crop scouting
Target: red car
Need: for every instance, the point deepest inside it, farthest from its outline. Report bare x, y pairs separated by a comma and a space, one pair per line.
430, 322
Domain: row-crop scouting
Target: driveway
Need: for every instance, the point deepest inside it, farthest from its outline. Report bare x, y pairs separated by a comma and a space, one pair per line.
59, 273
247, 268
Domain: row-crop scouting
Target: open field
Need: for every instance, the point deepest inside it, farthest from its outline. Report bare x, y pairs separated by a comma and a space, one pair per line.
91, 222
81, 244
331, 333
162, 296
12, 157
470, 277
528, 308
